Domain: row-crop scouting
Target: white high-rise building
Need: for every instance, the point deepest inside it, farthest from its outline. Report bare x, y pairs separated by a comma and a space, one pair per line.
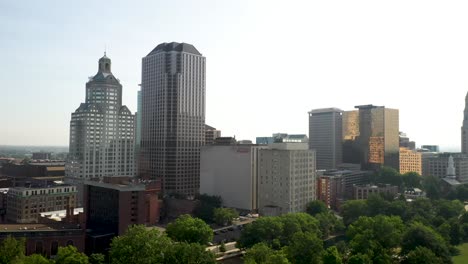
101, 132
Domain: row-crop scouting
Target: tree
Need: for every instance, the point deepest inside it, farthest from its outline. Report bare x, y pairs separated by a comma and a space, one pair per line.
376, 237
185, 253
316, 207
206, 205
419, 235
390, 176
422, 255
260, 253
329, 224
359, 259
297, 222
352, 210
11, 249
189, 229
448, 209
32, 259
224, 216
70, 255
412, 179
139, 245
432, 187
376, 205
97, 258
222, 247
264, 229
305, 248
331, 256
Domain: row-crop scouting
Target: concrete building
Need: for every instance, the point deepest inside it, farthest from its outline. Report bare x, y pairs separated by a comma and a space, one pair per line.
24, 205
282, 137
211, 134
173, 117
115, 203
33, 173
410, 161
325, 137
287, 178
101, 132
406, 143
431, 148
375, 141
41, 156
330, 190
435, 164
231, 171
45, 238
363, 191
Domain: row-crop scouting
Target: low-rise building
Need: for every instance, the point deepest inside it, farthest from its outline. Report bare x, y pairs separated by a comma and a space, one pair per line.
24, 204
435, 164
363, 191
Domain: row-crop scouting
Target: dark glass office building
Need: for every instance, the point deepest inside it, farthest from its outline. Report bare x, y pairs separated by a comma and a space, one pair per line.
173, 117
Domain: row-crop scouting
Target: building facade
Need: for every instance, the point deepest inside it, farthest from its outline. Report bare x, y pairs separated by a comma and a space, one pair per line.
24, 205
379, 136
231, 172
211, 134
436, 164
101, 131
410, 161
325, 137
287, 178
330, 190
364, 191
173, 117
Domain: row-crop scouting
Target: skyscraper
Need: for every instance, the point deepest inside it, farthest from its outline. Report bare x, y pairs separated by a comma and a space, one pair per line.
173, 117
378, 138
325, 133
464, 129
101, 131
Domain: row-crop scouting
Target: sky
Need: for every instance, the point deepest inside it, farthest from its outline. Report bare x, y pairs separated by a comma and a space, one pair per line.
268, 62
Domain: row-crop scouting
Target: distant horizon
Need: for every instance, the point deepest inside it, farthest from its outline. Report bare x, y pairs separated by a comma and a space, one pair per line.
263, 74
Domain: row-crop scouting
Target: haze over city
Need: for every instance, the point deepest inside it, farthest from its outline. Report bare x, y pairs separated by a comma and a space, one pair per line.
268, 62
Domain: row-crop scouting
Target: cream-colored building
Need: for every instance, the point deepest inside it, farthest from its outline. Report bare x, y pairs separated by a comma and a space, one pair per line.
410, 161
287, 178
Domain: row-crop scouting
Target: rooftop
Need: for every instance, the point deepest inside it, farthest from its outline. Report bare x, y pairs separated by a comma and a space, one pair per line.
8, 228
175, 46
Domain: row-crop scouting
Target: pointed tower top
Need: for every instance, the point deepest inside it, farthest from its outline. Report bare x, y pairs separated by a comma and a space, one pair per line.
104, 64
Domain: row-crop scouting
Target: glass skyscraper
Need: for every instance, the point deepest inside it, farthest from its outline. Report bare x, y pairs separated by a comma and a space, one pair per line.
173, 117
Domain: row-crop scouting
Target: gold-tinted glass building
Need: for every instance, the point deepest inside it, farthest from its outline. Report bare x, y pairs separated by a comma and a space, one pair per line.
371, 137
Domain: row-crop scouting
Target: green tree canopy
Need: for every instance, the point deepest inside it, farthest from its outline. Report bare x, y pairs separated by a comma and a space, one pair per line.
352, 210
422, 255
11, 249
224, 216
332, 256
419, 235
70, 255
33, 259
97, 258
412, 179
189, 229
185, 253
316, 207
139, 245
206, 205
305, 248
262, 254
359, 259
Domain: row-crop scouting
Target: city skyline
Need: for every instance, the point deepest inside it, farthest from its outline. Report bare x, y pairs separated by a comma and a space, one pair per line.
405, 59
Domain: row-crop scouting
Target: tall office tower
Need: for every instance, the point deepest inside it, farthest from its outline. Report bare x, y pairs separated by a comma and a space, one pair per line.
378, 136
325, 132
464, 129
211, 134
350, 128
173, 117
101, 132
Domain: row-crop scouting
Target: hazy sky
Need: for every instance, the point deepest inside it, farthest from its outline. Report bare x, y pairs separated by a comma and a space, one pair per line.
268, 62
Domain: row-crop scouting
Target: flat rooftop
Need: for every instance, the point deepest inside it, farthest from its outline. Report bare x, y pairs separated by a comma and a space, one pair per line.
9, 228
